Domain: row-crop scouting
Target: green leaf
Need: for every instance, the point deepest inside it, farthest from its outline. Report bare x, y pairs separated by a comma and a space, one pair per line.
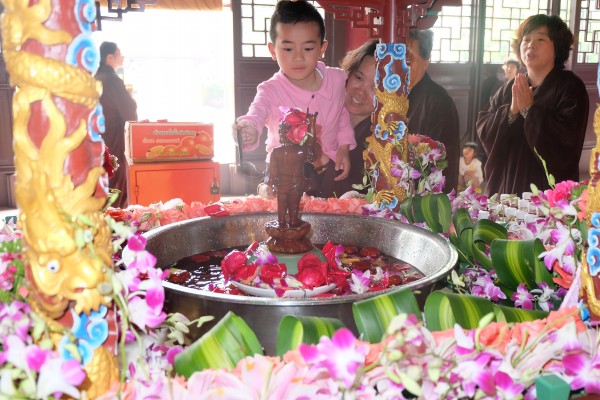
433, 209
473, 238
296, 330
512, 314
484, 233
223, 346
517, 261
373, 315
444, 309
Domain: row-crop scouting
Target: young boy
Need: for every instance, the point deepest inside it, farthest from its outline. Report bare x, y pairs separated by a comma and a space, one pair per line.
469, 168
297, 43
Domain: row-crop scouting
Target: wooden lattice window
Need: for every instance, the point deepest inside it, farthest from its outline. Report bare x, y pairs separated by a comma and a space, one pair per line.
589, 32
452, 33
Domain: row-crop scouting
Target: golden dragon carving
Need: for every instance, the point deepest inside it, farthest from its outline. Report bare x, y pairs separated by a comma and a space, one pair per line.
67, 242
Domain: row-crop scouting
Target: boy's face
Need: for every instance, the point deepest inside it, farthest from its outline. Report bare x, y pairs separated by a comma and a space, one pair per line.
297, 49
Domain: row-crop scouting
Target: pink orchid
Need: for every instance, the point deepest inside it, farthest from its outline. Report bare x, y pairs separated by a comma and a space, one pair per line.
522, 298
507, 386
15, 349
36, 357
484, 287
143, 314
14, 318
584, 371
341, 355
155, 293
465, 340
561, 238
360, 281
57, 376
136, 242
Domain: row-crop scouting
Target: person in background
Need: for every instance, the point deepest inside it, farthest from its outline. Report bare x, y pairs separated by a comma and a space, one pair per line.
542, 112
118, 107
469, 168
510, 68
431, 111
360, 65
297, 34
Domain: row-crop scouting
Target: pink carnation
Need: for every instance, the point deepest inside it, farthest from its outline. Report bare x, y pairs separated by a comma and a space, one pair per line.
562, 191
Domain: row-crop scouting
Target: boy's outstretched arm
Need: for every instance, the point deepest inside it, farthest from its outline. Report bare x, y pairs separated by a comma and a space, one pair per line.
249, 134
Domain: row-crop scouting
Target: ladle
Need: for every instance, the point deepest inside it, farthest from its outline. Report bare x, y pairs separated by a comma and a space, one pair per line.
245, 167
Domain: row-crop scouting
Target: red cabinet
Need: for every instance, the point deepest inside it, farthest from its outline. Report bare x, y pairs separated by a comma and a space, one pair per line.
190, 181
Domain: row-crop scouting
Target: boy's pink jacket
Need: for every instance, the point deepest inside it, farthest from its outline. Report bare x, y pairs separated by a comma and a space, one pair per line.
333, 122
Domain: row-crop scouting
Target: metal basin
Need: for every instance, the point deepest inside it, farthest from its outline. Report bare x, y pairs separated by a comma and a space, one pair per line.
433, 255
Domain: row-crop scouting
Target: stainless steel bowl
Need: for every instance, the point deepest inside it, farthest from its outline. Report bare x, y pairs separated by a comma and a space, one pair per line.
433, 255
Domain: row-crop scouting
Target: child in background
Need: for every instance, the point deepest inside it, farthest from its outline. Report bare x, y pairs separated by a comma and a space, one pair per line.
469, 168
297, 35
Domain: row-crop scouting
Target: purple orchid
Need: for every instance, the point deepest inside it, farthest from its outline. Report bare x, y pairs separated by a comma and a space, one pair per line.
484, 287
584, 371
360, 281
341, 356
522, 298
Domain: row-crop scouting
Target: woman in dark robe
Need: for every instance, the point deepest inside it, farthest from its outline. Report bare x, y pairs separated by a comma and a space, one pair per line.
543, 111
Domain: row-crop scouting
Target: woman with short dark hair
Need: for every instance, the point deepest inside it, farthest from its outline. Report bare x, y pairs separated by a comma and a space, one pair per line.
543, 112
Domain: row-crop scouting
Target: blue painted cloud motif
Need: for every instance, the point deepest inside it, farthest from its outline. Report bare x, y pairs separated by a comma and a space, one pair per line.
85, 13
593, 253
397, 52
96, 125
82, 52
399, 131
90, 331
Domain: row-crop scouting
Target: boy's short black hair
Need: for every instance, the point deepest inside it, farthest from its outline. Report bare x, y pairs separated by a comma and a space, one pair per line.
292, 12
472, 145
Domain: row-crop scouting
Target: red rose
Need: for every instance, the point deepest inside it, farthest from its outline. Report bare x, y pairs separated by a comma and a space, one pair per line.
372, 252
297, 122
245, 273
216, 210
269, 272
329, 251
232, 261
252, 248
118, 214
110, 163
312, 272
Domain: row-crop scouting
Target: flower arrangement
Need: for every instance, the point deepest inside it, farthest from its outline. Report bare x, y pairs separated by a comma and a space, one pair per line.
496, 360
559, 225
33, 366
421, 174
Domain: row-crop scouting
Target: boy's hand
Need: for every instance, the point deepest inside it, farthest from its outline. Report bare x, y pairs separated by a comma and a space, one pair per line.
249, 134
342, 162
